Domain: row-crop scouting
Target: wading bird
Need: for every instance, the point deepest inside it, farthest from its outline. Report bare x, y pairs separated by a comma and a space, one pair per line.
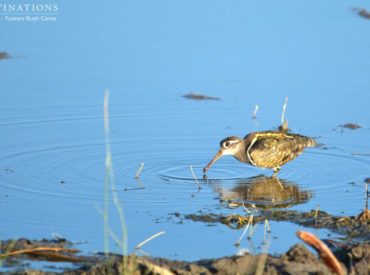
268, 149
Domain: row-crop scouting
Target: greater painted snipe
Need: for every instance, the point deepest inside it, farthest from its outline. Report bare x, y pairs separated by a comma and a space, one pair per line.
268, 149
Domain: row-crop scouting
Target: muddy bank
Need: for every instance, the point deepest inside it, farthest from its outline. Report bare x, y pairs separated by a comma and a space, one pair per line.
351, 226
297, 260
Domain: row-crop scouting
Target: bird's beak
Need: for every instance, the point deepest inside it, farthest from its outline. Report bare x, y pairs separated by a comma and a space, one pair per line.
215, 158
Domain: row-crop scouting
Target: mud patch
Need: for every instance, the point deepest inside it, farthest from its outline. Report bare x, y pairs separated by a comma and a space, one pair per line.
297, 260
352, 126
352, 227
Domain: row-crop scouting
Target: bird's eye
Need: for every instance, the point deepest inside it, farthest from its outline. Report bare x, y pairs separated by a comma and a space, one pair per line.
227, 144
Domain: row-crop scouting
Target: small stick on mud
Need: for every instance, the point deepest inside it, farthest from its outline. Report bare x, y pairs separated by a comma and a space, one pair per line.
196, 180
245, 231
139, 171
149, 239
325, 253
254, 115
38, 249
317, 211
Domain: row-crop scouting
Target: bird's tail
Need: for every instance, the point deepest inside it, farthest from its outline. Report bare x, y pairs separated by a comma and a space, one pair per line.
310, 142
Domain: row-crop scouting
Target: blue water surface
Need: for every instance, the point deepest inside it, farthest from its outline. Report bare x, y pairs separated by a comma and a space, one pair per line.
148, 54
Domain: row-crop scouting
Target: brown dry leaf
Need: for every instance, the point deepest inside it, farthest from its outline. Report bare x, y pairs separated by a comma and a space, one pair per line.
325, 253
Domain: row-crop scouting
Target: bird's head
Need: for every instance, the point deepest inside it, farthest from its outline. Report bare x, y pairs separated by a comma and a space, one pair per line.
228, 146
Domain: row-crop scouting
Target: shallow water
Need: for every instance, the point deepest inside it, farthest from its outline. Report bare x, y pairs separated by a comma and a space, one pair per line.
52, 143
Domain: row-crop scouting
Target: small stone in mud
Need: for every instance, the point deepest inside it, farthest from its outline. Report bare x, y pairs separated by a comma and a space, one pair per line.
195, 96
351, 126
4, 55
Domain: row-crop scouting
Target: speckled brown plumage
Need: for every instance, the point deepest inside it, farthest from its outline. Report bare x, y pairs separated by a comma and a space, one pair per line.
268, 149
274, 149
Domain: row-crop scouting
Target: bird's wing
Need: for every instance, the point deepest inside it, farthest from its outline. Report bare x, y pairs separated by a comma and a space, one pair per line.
272, 150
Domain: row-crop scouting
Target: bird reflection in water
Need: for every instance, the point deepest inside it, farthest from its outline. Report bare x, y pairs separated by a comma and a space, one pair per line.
262, 192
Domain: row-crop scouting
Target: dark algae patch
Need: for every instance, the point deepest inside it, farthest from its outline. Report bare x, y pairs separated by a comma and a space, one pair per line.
352, 126
362, 12
195, 96
297, 260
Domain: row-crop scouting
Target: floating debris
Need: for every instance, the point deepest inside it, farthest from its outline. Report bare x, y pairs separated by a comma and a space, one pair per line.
361, 154
139, 171
284, 109
195, 96
362, 12
254, 115
4, 55
149, 239
352, 126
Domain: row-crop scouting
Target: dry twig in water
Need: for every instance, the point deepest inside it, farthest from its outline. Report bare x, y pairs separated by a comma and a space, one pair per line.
266, 227
252, 230
283, 114
254, 116
139, 171
149, 239
196, 180
245, 231
325, 253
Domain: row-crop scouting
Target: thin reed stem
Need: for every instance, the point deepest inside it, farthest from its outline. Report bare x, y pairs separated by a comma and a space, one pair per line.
139, 171
196, 180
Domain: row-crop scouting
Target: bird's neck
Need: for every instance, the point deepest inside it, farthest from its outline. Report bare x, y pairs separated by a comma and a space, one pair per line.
241, 152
